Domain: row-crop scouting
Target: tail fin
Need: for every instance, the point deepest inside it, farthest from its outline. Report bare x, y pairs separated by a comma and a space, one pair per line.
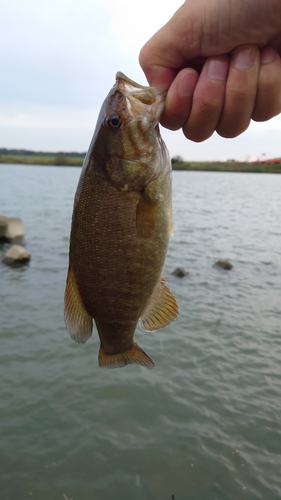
135, 355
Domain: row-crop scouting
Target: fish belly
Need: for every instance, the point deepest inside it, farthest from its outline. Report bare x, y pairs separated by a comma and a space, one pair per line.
116, 265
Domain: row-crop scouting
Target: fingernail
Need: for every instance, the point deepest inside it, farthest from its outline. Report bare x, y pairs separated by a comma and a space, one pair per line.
267, 55
244, 59
217, 70
186, 86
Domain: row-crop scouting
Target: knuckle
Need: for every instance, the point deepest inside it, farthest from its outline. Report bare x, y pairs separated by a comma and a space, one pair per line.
173, 121
208, 104
229, 131
260, 114
235, 94
197, 134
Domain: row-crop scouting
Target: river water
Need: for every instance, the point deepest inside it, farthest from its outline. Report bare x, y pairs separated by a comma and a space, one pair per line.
205, 423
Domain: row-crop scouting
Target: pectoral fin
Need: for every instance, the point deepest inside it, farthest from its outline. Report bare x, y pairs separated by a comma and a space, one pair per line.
135, 355
146, 216
162, 309
78, 322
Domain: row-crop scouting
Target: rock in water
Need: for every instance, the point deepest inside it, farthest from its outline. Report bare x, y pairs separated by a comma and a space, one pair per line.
3, 228
14, 231
180, 272
16, 254
224, 264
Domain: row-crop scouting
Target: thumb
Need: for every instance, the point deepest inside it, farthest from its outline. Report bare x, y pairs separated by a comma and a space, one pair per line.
160, 58
197, 30
176, 45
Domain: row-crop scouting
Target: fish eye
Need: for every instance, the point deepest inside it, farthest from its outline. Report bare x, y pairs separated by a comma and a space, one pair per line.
113, 121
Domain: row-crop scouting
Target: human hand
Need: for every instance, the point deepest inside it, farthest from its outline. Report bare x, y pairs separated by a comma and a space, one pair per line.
221, 65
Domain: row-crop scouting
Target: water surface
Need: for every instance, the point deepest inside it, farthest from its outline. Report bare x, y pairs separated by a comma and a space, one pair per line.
205, 423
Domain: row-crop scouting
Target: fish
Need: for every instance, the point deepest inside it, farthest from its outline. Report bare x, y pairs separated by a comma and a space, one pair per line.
121, 225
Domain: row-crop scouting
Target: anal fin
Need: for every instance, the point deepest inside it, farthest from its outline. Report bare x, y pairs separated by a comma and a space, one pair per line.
78, 322
162, 309
134, 355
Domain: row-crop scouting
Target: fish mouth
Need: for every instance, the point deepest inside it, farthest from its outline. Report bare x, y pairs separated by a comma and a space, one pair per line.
141, 99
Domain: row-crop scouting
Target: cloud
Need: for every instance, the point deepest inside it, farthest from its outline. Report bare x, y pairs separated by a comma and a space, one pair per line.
47, 128
58, 61
274, 125
133, 23
57, 52
48, 117
252, 143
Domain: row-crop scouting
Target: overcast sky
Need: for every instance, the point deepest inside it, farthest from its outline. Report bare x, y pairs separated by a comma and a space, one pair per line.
58, 60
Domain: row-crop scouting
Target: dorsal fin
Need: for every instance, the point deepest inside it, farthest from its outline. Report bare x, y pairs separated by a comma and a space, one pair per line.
78, 322
162, 309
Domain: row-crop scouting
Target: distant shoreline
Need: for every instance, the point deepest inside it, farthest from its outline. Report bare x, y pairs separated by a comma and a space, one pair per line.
223, 166
27, 157
73, 159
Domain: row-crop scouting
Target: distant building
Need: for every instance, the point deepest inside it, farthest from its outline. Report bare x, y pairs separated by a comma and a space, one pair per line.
269, 161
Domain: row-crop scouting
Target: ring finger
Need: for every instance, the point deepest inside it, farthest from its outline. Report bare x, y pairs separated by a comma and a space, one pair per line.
241, 90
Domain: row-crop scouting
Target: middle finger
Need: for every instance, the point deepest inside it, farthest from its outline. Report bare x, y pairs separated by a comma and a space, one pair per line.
208, 99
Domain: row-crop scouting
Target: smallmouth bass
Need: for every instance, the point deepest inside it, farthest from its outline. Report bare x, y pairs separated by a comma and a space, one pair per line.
121, 223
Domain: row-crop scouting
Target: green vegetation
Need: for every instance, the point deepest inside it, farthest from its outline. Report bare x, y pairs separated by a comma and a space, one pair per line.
26, 157
231, 166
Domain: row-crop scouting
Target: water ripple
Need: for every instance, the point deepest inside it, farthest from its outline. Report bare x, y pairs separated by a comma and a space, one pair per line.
205, 423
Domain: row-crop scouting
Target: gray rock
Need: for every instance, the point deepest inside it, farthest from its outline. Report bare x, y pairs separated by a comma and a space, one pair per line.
3, 227
16, 254
14, 230
224, 264
180, 272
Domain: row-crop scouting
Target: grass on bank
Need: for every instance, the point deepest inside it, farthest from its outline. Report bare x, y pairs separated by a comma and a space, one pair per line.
76, 159
220, 166
34, 158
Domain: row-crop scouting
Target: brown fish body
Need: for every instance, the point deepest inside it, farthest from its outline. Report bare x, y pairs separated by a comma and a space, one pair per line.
120, 228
